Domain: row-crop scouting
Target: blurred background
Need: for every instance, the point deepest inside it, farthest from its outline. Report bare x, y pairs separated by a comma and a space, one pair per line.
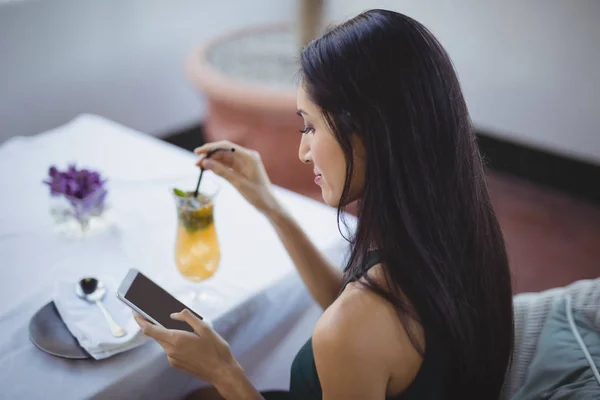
530, 72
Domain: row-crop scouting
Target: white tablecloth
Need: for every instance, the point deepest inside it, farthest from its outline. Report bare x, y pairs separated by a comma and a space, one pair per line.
262, 293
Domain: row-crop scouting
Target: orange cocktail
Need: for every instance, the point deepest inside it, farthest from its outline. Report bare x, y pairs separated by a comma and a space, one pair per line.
197, 251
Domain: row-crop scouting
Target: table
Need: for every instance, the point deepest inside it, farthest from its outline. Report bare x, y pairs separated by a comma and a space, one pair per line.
265, 298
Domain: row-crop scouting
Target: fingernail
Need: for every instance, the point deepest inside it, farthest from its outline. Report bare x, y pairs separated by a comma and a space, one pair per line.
173, 315
208, 164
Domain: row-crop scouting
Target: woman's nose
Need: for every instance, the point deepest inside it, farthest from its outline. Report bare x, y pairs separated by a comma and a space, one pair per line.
304, 150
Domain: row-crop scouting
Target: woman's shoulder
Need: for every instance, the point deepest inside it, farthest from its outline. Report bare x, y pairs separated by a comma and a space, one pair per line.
362, 328
358, 304
365, 319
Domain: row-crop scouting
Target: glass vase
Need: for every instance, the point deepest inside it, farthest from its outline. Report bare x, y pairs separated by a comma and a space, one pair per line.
79, 218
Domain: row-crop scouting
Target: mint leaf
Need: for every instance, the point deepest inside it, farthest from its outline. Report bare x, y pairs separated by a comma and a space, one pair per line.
179, 193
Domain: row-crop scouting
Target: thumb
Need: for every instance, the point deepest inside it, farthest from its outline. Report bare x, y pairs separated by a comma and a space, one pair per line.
186, 316
218, 168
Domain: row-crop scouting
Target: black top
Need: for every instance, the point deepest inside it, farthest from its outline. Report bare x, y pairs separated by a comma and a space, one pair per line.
428, 384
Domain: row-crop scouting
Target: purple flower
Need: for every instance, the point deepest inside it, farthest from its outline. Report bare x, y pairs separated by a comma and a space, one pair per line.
53, 172
83, 188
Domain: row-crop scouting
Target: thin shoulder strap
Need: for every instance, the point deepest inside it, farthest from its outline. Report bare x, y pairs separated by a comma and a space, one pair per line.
373, 258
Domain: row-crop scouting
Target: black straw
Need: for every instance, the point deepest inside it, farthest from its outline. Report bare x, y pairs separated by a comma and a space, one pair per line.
208, 155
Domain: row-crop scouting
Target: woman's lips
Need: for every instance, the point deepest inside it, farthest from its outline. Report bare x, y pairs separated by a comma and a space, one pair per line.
317, 179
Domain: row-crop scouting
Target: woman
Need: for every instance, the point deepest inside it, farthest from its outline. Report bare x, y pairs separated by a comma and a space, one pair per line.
423, 308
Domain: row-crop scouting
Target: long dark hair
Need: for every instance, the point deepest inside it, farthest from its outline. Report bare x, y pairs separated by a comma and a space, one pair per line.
384, 77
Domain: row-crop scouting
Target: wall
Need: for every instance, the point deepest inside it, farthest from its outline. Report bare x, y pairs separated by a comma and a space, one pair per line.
122, 59
530, 69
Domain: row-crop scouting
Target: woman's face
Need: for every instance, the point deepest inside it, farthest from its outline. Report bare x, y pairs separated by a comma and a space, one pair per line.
319, 147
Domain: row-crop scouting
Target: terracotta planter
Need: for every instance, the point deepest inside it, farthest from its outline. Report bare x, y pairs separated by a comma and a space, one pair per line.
254, 114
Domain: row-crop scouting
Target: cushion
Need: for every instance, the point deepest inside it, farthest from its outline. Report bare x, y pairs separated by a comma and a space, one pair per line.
567, 358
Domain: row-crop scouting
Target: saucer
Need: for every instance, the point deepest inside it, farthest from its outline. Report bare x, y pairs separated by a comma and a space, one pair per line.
49, 333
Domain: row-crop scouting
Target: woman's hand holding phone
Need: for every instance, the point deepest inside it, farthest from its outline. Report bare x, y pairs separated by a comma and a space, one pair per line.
203, 353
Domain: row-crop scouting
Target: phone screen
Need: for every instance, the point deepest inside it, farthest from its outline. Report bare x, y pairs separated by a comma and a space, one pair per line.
156, 302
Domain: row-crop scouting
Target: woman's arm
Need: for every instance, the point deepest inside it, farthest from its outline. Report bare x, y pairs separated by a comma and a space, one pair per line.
244, 169
233, 384
323, 280
203, 354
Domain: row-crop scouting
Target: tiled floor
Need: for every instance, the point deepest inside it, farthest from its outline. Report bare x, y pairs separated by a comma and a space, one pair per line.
552, 239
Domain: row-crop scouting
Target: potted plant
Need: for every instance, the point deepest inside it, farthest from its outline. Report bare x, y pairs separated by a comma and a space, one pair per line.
248, 78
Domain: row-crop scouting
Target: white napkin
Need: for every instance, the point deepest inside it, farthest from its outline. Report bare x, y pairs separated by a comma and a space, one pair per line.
86, 322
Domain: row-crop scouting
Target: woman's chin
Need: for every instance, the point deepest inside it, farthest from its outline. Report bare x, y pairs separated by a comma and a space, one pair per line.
330, 200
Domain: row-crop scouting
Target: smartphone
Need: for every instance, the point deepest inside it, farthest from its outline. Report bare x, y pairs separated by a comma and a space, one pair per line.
152, 301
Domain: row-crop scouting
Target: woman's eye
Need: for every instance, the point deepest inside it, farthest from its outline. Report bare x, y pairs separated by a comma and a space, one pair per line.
308, 129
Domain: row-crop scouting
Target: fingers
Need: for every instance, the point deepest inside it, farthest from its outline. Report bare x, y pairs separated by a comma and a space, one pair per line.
225, 144
141, 321
237, 160
149, 329
186, 315
228, 158
223, 171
